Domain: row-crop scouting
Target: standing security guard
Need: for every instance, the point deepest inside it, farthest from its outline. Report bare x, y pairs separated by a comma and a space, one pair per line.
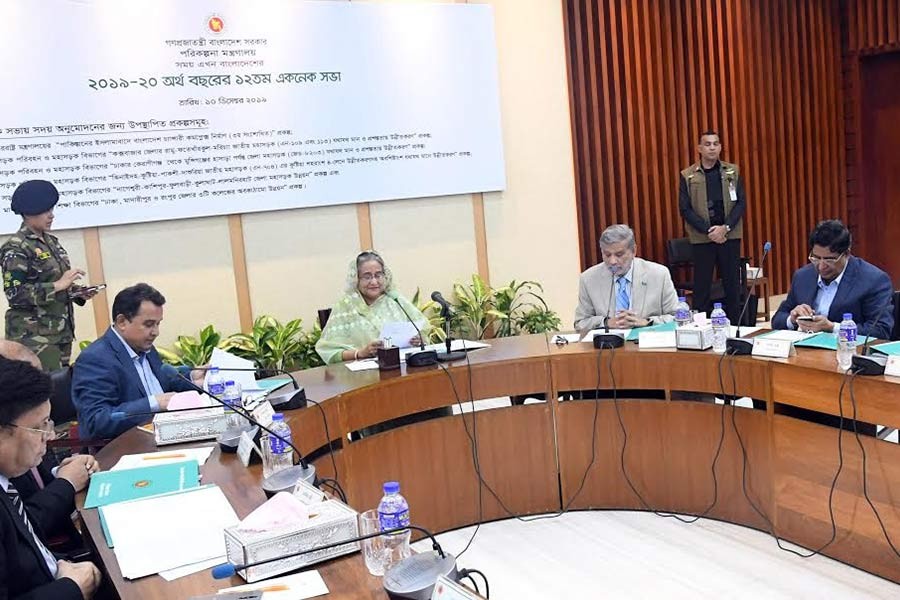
38, 279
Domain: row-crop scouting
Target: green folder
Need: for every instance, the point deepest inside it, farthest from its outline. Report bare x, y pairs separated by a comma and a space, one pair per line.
108, 487
270, 384
825, 341
891, 349
634, 333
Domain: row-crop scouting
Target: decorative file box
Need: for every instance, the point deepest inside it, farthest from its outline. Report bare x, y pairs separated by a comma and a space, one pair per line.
188, 426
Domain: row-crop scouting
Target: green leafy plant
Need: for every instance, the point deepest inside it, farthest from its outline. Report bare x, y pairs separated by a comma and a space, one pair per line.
307, 357
270, 344
513, 309
192, 351
474, 306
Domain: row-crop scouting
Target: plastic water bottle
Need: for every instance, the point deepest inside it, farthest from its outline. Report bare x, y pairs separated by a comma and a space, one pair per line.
279, 454
215, 384
846, 346
682, 312
720, 328
232, 397
393, 512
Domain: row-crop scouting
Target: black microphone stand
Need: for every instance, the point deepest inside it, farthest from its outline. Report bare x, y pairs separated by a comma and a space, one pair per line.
281, 480
449, 355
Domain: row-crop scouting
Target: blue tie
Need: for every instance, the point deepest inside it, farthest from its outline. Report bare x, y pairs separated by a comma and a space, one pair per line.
623, 300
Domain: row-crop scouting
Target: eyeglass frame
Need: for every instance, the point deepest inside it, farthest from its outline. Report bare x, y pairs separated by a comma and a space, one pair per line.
367, 277
48, 432
828, 260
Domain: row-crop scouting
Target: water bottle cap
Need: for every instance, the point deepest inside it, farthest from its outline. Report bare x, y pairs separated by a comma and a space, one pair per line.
277, 417
391, 487
682, 298
229, 382
214, 369
848, 316
717, 305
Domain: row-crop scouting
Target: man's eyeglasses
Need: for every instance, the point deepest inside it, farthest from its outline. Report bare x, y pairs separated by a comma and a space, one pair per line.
379, 276
828, 260
47, 430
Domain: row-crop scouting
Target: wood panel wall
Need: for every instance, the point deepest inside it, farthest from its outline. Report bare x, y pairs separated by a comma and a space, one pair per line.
870, 27
647, 76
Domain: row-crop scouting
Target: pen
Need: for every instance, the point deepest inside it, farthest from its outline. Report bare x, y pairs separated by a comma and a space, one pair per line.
162, 456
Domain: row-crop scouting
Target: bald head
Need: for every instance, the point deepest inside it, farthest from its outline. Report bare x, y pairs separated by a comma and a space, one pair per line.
16, 351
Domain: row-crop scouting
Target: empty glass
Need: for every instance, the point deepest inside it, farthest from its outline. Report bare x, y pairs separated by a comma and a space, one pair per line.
373, 549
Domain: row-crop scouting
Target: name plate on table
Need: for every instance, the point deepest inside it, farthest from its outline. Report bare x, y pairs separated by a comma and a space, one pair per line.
263, 413
246, 447
656, 339
307, 494
892, 366
773, 348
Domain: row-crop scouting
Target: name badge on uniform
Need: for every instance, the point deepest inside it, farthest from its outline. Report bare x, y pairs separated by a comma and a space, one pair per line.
732, 192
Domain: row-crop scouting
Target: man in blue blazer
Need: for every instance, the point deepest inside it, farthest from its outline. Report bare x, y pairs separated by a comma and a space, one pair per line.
121, 372
836, 283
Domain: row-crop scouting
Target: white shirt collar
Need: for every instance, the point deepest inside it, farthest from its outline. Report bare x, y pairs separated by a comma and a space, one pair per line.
128, 348
836, 280
4, 483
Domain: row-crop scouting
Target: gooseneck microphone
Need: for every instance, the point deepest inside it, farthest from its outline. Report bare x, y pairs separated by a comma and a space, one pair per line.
446, 312
303, 471
423, 357
607, 339
866, 364
738, 346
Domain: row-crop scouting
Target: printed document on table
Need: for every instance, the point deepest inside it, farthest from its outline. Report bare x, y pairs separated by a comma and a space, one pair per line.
308, 584
134, 461
589, 336
787, 335
166, 532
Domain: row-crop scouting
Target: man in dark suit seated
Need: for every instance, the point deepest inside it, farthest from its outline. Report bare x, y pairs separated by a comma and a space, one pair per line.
121, 372
27, 568
836, 283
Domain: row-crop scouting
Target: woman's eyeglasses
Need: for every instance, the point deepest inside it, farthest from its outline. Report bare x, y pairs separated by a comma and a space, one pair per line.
367, 277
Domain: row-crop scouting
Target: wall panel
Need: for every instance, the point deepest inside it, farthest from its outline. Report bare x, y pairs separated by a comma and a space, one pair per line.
647, 76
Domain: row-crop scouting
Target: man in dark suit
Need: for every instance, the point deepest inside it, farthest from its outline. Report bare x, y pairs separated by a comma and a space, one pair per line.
122, 372
836, 283
27, 568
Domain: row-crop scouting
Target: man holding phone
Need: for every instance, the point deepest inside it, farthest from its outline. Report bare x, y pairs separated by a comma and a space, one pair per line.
834, 283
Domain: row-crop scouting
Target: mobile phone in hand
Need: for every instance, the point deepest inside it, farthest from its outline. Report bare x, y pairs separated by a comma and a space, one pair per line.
807, 318
84, 291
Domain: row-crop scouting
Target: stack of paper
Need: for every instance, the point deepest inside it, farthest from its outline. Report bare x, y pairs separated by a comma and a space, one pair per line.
168, 531
165, 457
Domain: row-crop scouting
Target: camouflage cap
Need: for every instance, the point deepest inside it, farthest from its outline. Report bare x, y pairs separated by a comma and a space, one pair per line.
34, 197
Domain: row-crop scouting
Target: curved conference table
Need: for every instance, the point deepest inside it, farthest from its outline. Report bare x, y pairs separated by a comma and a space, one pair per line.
534, 456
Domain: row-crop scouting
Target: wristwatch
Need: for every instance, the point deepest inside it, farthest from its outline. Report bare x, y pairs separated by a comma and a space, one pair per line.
728, 229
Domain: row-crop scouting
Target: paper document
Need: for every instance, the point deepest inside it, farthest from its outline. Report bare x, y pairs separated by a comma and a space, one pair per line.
787, 335
455, 345
179, 572
166, 532
362, 365
189, 399
745, 331
308, 584
134, 461
399, 332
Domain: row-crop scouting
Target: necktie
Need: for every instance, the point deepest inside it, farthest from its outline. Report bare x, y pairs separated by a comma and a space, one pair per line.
623, 300
19, 507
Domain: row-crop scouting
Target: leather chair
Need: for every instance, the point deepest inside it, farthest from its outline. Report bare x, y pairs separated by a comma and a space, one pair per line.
680, 260
895, 334
63, 413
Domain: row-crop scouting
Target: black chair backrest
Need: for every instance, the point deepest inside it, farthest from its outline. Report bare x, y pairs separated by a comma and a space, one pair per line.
324, 314
895, 335
61, 408
679, 251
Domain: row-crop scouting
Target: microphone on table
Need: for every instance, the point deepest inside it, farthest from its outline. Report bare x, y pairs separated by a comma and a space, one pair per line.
283, 480
446, 313
738, 346
283, 400
412, 577
607, 339
423, 357
865, 363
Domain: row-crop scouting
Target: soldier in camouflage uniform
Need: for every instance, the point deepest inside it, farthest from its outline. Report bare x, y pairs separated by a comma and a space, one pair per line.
38, 279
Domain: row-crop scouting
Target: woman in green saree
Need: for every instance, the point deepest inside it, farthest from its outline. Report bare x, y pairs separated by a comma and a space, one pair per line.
370, 300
